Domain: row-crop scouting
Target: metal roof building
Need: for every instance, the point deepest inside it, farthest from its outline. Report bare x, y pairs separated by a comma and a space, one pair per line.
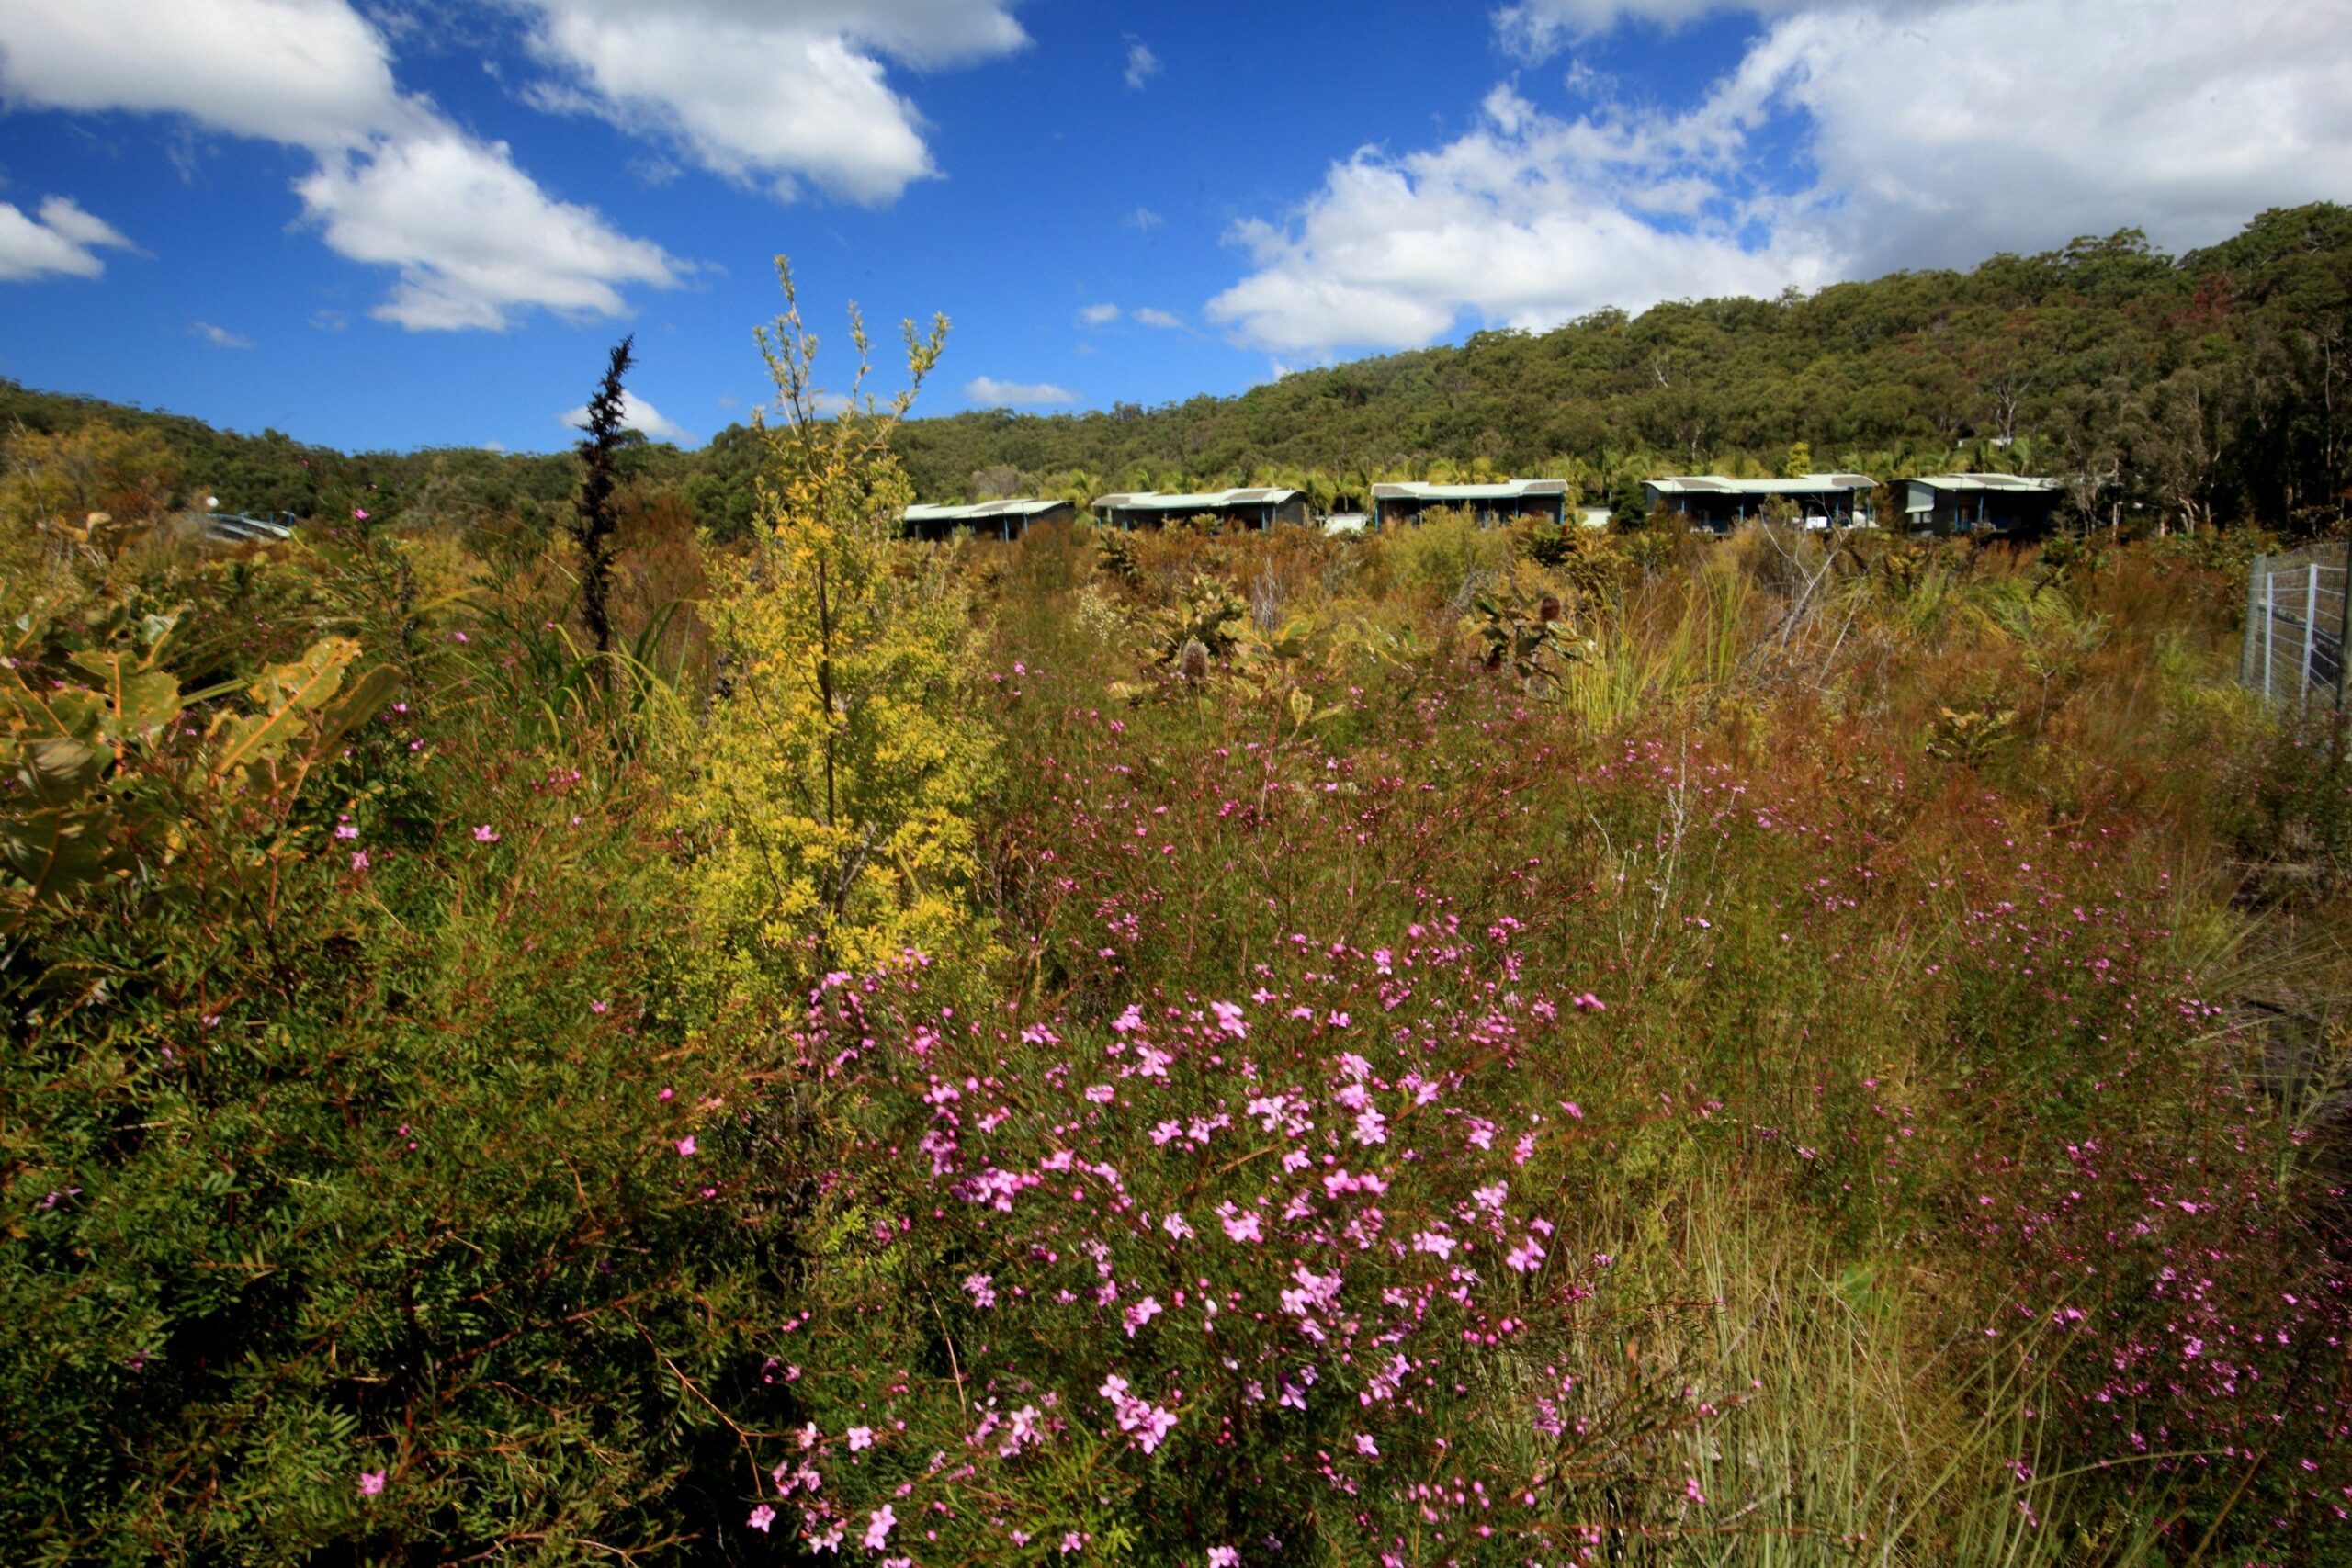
1980, 503
1496, 501
1260, 507
1710, 500
1003, 519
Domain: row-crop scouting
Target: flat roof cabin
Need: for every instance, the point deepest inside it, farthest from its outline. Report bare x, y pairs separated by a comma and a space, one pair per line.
1498, 502
987, 519
1260, 507
1710, 500
1990, 504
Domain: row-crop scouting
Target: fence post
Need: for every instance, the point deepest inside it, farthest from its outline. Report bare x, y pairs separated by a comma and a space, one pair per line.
2254, 579
2270, 624
2344, 630
2311, 634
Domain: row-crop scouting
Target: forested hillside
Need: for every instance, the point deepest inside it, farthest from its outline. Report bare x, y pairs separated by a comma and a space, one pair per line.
2211, 386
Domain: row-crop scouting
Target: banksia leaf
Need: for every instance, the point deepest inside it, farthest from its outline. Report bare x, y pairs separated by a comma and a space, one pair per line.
288, 693
139, 701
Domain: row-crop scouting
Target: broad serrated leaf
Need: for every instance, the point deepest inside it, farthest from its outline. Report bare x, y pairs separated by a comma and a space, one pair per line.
57, 770
139, 701
68, 711
362, 700
289, 695
53, 852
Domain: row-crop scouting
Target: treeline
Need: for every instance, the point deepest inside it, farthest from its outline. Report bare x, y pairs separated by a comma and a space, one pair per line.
2209, 386
2167, 390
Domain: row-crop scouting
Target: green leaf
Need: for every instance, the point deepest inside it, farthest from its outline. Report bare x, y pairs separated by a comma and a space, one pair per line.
366, 698
139, 701
59, 772
53, 851
69, 711
289, 695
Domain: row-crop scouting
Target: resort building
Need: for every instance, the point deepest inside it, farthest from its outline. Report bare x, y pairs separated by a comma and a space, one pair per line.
1499, 502
987, 519
1710, 501
1980, 503
1259, 508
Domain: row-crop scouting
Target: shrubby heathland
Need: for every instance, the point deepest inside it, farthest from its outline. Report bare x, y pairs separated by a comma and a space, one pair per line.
1458, 1045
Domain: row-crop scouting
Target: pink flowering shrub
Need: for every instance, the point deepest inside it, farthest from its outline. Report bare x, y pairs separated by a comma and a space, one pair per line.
1226, 1273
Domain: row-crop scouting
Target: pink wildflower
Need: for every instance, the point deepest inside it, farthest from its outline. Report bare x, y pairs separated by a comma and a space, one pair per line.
860, 1438
687, 1147
761, 1517
371, 1482
485, 834
878, 1525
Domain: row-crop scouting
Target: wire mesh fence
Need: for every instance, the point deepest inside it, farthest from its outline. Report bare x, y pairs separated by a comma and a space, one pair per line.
2298, 623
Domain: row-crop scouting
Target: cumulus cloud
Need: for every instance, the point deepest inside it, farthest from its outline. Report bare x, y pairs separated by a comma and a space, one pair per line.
1152, 318
473, 238
1525, 221
987, 391
219, 337
2086, 117
1098, 315
635, 414
64, 239
776, 91
308, 73
1142, 64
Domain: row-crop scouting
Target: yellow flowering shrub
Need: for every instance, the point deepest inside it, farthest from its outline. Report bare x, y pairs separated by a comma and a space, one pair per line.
830, 787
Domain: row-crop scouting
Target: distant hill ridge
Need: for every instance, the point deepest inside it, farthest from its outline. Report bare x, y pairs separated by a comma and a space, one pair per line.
2214, 384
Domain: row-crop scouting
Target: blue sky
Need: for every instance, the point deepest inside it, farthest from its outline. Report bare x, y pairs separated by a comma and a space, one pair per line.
391, 224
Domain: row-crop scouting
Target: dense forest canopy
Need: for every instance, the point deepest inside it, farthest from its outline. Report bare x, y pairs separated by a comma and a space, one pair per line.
2208, 386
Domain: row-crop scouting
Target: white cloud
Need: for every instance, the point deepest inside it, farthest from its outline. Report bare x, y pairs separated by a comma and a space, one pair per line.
635, 414
1098, 315
775, 91
987, 391
308, 73
1536, 30
474, 238
1923, 146
1142, 64
62, 240
1152, 318
1143, 221
1525, 221
219, 337
2176, 116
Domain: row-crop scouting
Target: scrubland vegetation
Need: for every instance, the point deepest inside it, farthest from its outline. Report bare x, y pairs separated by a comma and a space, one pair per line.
1455, 1046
